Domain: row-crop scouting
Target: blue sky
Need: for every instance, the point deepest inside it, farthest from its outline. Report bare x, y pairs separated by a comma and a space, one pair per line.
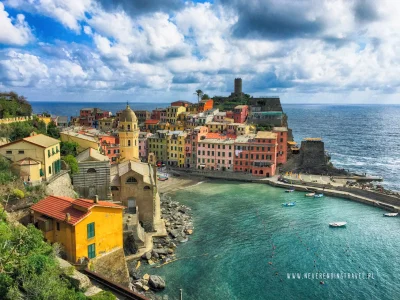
343, 51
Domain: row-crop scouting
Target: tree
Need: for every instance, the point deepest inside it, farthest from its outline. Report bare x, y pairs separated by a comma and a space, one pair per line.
69, 148
53, 131
72, 163
199, 93
205, 97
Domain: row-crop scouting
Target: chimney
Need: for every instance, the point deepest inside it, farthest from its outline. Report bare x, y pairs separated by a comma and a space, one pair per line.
96, 199
67, 217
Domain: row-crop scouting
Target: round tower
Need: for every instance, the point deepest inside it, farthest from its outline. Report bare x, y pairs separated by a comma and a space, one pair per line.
128, 132
238, 86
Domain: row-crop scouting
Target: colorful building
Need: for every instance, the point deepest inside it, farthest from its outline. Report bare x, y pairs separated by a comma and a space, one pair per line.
143, 145
142, 115
191, 144
34, 158
173, 112
157, 144
240, 113
181, 103
176, 148
85, 228
128, 132
205, 104
152, 125
216, 152
108, 124
282, 151
83, 140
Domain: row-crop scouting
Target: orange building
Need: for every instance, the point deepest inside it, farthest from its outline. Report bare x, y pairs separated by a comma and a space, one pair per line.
282, 139
205, 105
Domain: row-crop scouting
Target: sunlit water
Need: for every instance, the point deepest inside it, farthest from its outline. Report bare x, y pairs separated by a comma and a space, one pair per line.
245, 243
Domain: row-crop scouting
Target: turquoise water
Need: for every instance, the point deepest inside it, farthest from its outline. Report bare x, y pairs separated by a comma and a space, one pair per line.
241, 228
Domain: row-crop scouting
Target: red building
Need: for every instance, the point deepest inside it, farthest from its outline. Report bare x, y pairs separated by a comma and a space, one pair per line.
191, 144
256, 154
89, 116
240, 113
181, 103
205, 105
282, 137
110, 146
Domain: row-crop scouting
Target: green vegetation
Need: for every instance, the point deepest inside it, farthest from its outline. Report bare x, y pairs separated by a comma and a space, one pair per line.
12, 105
53, 131
28, 267
18, 194
20, 130
68, 148
104, 295
264, 127
5, 171
72, 163
205, 97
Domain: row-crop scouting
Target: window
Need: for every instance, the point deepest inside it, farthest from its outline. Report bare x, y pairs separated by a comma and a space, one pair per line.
8, 152
91, 251
49, 169
146, 187
91, 170
48, 153
129, 143
90, 230
109, 151
21, 151
131, 180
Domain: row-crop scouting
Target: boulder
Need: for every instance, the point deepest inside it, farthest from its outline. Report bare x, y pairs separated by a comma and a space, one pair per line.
156, 282
147, 255
160, 251
175, 233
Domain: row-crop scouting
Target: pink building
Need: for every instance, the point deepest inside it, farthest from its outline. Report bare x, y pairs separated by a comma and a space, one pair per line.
143, 146
163, 116
282, 136
216, 152
191, 144
240, 113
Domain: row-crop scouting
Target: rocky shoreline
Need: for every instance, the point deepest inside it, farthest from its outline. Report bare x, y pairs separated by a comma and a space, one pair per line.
179, 224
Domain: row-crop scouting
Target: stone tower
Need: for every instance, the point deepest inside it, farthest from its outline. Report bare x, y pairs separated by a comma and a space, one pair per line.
128, 135
238, 86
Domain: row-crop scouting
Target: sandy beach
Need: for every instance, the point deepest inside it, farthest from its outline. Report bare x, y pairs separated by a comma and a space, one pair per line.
177, 183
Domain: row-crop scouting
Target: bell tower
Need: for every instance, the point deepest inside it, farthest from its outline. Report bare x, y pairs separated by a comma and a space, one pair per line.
128, 132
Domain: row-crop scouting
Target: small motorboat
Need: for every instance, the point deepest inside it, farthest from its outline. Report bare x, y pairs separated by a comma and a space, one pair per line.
310, 194
289, 204
291, 190
318, 195
390, 214
337, 224
162, 178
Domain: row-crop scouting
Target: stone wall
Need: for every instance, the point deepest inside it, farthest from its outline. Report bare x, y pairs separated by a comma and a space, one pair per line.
312, 155
15, 120
93, 179
61, 186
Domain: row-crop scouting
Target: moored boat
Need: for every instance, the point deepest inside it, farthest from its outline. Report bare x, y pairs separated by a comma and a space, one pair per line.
318, 195
337, 224
291, 190
289, 204
310, 194
390, 214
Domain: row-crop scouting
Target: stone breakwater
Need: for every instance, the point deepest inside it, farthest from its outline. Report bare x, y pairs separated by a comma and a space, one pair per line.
179, 224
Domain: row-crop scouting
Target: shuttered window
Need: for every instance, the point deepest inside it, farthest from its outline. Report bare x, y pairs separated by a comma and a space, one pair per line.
90, 230
92, 251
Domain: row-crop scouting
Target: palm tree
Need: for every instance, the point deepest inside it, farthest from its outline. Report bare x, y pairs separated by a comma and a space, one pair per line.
199, 93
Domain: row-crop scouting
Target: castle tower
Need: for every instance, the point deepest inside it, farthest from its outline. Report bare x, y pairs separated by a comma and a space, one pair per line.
128, 135
238, 86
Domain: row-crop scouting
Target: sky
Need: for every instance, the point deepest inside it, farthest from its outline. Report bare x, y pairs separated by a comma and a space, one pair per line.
325, 51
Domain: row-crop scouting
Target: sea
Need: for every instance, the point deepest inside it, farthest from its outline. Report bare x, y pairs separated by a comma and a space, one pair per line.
359, 138
247, 246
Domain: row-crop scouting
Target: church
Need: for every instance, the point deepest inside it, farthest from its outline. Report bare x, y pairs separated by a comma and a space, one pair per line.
134, 183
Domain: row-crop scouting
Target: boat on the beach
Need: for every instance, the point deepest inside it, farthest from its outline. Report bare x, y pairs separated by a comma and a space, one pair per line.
310, 194
162, 178
291, 190
289, 204
390, 214
337, 224
318, 195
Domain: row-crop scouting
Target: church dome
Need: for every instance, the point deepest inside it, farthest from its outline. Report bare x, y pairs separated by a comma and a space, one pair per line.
127, 115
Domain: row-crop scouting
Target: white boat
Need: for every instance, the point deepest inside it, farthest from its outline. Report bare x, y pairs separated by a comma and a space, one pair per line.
318, 195
390, 214
337, 224
291, 190
310, 195
289, 204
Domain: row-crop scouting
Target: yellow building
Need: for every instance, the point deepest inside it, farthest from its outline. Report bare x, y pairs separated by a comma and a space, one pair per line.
84, 141
35, 158
157, 144
216, 127
107, 124
128, 132
173, 112
85, 228
176, 148
46, 120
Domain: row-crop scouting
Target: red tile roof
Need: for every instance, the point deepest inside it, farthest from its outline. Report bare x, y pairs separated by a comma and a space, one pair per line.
212, 135
57, 207
151, 121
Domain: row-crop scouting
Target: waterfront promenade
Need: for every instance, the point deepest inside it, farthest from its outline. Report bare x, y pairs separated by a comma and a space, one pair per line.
316, 183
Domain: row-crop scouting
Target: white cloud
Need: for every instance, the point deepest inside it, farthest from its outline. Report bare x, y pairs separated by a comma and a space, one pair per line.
14, 32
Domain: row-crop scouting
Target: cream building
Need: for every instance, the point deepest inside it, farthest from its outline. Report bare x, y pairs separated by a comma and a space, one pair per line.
35, 158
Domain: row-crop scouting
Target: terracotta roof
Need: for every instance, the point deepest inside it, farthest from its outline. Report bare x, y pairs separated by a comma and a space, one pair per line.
57, 207
151, 121
212, 135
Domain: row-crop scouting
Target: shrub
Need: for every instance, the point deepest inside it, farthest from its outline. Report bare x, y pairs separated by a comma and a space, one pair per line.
18, 193
72, 163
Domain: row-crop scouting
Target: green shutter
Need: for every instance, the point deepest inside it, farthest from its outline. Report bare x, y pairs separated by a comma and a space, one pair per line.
90, 230
92, 251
